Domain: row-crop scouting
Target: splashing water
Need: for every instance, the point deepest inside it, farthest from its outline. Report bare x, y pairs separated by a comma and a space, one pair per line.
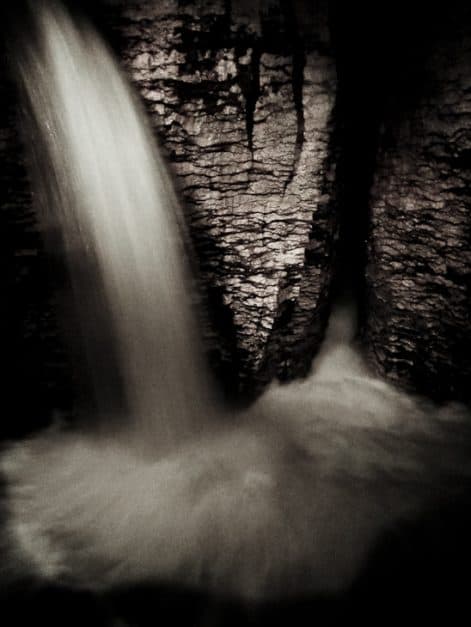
292, 498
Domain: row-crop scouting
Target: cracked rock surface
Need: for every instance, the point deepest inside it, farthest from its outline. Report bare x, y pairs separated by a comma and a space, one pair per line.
241, 96
419, 326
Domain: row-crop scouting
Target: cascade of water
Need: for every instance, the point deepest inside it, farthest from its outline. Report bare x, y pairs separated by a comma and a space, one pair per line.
117, 215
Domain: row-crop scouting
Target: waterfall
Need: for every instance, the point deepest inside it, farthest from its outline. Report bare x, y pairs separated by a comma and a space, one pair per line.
286, 499
108, 195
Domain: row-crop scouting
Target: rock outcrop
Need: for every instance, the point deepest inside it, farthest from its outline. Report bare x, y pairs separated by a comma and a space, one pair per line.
242, 96
418, 327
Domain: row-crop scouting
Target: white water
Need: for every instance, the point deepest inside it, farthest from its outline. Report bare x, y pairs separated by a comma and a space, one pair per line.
290, 499
115, 208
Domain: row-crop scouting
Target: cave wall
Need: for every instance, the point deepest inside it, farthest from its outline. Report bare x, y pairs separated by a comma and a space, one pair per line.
418, 309
241, 96
280, 120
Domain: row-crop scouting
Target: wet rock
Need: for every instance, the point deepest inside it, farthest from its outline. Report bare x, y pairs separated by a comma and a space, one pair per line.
418, 326
241, 96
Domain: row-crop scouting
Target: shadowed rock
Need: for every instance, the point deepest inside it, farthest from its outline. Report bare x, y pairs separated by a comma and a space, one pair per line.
419, 325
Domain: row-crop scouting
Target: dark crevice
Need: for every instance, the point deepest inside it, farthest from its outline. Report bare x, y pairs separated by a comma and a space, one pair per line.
357, 120
297, 82
299, 61
250, 85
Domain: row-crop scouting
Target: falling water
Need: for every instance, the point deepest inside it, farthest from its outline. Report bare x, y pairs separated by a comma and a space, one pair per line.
288, 500
119, 221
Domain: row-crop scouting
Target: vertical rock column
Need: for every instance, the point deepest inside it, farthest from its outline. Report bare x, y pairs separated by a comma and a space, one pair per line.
419, 326
241, 96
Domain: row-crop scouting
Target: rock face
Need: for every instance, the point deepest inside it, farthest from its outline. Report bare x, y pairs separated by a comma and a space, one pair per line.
418, 327
241, 96
249, 104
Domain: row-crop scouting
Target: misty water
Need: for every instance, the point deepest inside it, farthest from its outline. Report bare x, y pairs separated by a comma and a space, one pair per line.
104, 187
286, 500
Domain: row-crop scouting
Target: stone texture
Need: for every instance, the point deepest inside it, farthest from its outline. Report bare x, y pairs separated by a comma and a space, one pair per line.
242, 100
418, 328
243, 97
